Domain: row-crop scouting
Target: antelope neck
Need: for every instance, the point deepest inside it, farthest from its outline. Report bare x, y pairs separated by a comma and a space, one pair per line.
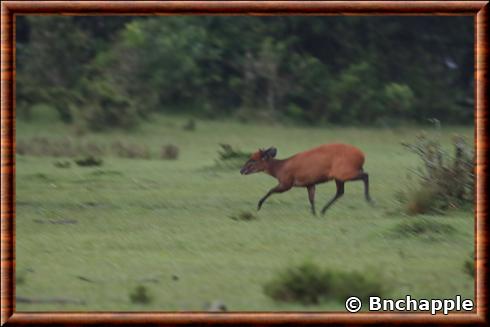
274, 165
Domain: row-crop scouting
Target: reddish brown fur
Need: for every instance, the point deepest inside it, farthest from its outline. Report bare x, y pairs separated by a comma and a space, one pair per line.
339, 162
317, 165
321, 164
256, 155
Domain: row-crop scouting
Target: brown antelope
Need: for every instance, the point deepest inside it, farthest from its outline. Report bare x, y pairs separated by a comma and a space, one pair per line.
340, 162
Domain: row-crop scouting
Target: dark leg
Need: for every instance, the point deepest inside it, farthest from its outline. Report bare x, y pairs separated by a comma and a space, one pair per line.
277, 189
311, 197
365, 178
340, 192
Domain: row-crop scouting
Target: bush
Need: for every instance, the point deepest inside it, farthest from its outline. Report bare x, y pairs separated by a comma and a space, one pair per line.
231, 158
306, 284
309, 284
227, 153
398, 98
169, 152
103, 106
140, 295
445, 180
20, 278
89, 161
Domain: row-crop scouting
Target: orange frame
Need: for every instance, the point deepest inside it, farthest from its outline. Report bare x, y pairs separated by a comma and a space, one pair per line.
9, 9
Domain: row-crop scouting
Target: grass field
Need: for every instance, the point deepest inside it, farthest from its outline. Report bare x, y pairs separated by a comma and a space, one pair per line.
91, 235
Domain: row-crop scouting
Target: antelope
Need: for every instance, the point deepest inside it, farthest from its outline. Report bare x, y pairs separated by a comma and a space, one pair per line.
339, 162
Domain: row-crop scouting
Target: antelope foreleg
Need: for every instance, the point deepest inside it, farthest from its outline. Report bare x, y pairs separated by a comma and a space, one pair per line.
277, 189
311, 197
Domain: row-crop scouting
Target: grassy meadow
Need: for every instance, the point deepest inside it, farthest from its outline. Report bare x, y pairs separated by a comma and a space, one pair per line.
91, 235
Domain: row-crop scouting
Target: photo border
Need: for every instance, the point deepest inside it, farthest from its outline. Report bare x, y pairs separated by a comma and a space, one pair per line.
478, 9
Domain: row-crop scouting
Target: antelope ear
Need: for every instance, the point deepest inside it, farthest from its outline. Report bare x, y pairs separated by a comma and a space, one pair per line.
271, 152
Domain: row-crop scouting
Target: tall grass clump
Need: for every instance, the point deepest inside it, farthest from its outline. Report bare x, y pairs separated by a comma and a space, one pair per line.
231, 158
309, 284
306, 284
424, 228
444, 180
169, 152
140, 295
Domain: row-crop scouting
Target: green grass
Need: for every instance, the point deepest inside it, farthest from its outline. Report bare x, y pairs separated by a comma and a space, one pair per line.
97, 234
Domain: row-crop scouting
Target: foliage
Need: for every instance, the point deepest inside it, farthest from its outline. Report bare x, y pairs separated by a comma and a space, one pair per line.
140, 295
444, 180
20, 278
169, 152
227, 152
102, 106
306, 284
398, 99
89, 161
113, 72
231, 158
309, 284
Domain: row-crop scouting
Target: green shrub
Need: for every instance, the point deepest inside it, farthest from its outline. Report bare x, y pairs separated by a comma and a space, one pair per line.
444, 180
103, 106
309, 284
227, 153
231, 158
169, 152
140, 295
20, 278
306, 284
398, 98
89, 161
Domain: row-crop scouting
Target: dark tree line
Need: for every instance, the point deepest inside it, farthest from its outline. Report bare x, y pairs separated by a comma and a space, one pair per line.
115, 71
